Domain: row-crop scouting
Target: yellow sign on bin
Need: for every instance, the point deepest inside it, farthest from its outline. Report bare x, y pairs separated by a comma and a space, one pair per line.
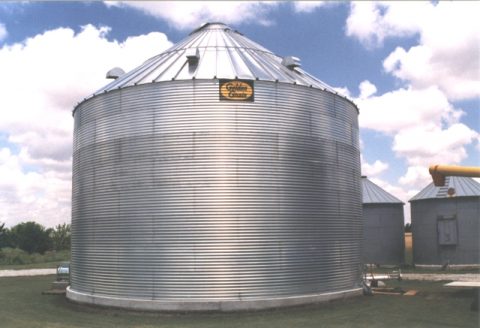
236, 90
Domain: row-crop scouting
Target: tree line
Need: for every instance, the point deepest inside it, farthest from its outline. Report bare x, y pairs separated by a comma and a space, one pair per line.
35, 238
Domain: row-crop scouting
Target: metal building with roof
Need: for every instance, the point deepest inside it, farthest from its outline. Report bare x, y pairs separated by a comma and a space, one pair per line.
383, 229
445, 223
215, 176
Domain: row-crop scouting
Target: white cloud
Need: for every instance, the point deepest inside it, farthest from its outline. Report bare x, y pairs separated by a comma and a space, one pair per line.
3, 32
191, 14
373, 22
310, 6
448, 52
373, 170
367, 89
401, 109
424, 126
42, 79
442, 67
417, 176
43, 197
343, 91
421, 146
455, 70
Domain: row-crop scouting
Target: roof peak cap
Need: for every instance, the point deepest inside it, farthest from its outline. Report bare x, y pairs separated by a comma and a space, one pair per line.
211, 26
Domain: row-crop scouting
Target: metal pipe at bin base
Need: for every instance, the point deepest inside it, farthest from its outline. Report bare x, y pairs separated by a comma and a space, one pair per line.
439, 172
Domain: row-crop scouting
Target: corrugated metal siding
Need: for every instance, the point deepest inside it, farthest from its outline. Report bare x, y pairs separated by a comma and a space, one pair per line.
177, 195
426, 246
383, 233
383, 230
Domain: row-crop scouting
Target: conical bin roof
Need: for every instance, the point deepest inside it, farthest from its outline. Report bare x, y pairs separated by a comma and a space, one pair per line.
458, 186
216, 51
373, 194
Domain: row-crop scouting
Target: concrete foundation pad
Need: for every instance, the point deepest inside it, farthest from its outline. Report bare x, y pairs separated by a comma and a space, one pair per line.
206, 305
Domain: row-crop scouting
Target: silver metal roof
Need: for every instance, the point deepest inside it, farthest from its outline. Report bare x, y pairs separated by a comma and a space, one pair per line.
373, 194
215, 51
462, 187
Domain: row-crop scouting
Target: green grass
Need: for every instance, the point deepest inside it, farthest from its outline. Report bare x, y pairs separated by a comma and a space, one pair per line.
22, 305
14, 258
44, 265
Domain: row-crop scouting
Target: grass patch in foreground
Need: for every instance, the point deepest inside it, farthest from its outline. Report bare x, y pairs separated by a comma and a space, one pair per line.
45, 265
22, 305
14, 258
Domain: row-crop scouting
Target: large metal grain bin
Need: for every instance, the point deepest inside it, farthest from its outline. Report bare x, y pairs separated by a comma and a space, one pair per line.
445, 223
383, 229
215, 176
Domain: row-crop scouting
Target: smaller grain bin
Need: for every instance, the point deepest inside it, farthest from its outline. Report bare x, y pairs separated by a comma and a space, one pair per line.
445, 223
383, 230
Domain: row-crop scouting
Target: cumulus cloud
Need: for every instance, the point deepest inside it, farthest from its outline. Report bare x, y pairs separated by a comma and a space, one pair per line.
310, 6
191, 14
343, 91
3, 32
455, 70
425, 128
42, 80
373, 22
416, 176
447, 53
442, 67
43, 197
404, 108
367, 89
422, 146
373, 170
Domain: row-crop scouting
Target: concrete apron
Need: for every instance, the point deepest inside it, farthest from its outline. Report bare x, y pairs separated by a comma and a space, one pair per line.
224, 306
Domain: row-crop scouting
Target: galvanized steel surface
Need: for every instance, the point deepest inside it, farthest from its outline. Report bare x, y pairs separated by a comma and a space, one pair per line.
462, 187
383, 233
459, 201
383, 226
178, 196
222, 54
373, 194
465, 215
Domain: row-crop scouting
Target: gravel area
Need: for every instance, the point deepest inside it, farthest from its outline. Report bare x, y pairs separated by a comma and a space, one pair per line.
29, 272
442, 276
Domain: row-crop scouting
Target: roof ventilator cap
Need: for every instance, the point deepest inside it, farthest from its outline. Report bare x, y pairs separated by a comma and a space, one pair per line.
193, 55
291, 62
115, 73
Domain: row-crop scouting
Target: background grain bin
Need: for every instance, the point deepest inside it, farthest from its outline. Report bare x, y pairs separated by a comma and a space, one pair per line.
215, 176
445, 223
383, 230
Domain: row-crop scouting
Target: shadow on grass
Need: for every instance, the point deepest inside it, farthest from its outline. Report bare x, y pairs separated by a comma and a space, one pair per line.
22, 305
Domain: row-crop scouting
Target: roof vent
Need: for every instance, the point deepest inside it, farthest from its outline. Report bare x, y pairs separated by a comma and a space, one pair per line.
451, 192
193, 55
291, 62
115, 73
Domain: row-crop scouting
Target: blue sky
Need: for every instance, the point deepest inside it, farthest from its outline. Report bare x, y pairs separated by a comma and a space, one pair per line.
412, 68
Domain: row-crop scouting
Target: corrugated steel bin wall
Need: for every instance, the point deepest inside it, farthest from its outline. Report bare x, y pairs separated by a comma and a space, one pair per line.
383, 234
425, 235
180, 196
